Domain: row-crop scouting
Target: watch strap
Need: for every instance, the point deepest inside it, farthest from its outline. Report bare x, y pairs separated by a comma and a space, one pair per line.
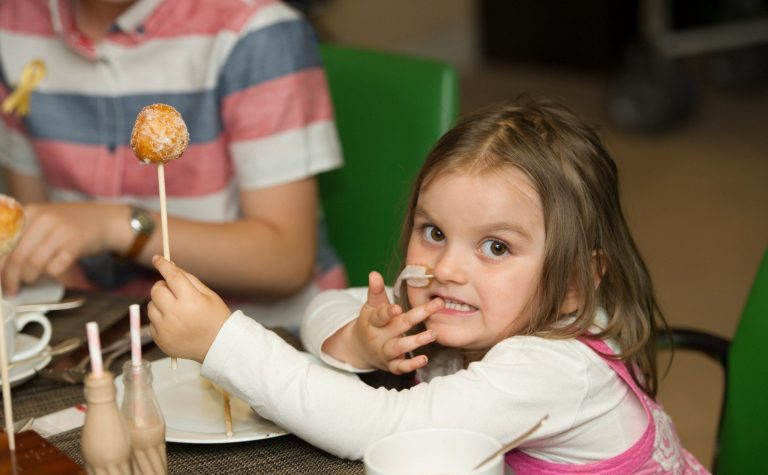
143, 225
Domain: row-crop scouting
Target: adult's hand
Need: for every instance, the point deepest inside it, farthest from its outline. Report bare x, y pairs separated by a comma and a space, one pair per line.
56, 235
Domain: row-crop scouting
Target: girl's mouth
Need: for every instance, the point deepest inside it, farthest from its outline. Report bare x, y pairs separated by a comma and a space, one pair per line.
456, 306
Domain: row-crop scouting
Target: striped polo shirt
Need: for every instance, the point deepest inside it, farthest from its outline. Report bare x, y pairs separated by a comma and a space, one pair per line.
245, 75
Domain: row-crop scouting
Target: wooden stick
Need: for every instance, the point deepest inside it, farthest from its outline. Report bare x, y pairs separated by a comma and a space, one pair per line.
164, 226
163, 211
227, 413
7, 404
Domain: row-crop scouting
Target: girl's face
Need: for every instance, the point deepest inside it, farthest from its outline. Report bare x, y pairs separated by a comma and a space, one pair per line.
483, 237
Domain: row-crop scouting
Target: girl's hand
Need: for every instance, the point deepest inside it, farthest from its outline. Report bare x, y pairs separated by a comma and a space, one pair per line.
185, 315
377, 335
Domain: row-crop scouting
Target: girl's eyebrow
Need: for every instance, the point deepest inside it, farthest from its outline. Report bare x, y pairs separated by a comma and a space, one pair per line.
420, 212
506, 226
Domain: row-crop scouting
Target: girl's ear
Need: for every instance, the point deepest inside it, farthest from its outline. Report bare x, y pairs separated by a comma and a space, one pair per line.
574, 297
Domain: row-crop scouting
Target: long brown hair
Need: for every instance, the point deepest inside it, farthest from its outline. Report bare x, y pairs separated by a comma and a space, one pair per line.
577, 182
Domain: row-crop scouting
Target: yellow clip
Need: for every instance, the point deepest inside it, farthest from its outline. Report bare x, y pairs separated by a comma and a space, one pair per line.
18, 101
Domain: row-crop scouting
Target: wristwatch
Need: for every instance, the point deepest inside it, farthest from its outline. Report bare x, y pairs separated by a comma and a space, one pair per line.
142, 224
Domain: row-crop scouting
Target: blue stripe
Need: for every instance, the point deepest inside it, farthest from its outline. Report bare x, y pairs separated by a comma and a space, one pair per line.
108, 120
277, 50
2, 77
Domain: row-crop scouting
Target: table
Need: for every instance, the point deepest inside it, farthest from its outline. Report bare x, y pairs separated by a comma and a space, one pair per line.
38, 397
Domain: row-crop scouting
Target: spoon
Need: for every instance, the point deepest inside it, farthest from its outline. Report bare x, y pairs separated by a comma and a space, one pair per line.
73, 302
63, 347
514, 443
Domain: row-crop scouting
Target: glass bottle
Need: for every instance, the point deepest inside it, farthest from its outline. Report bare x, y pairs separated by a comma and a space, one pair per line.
104, 441
144, 419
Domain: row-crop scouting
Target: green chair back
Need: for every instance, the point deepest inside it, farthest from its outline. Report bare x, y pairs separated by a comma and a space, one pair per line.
390, 109
744, 430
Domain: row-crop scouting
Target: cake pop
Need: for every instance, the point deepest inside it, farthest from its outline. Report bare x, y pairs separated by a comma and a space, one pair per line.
159, 134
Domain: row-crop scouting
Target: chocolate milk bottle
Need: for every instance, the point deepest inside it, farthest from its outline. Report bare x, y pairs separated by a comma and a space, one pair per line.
104, 442
146, 425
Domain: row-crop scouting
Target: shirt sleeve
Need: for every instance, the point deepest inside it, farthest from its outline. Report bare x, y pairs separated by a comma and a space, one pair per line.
276, 106
502, 395
326, 314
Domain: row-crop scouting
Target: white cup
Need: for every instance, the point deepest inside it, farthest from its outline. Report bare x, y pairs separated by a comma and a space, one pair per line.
14, 323
433, 452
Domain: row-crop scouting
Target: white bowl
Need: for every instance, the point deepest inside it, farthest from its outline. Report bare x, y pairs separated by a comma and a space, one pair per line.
433, 452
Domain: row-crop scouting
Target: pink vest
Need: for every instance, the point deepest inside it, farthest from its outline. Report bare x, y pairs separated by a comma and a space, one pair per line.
658, 450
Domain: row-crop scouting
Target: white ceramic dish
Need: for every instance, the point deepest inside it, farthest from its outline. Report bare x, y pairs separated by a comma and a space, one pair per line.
25, 371
194, 412
42, 291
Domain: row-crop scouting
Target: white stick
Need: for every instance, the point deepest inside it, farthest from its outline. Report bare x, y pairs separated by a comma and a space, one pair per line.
94, 348
163, 211
133, 313
164, 226
7, 404
227, 413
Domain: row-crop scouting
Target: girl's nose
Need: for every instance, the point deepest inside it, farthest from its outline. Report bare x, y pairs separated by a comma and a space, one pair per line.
450, 267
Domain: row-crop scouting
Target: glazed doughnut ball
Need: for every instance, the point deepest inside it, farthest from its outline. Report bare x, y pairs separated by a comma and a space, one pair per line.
11, 223
159, 134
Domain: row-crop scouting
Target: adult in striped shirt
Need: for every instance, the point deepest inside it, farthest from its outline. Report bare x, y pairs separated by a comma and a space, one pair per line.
242, 201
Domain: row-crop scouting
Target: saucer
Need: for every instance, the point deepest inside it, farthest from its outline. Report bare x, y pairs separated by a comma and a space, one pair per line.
42, 291
25, 371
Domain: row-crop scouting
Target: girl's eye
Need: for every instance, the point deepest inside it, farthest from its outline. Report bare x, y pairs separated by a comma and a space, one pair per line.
494, 248
433, 234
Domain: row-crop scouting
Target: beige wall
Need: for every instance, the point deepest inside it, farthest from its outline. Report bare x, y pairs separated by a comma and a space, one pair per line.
440, 29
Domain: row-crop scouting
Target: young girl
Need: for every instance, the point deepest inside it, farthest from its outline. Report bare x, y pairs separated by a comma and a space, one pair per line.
538, 303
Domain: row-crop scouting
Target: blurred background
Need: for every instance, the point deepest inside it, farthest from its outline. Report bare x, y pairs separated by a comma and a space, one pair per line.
679, 90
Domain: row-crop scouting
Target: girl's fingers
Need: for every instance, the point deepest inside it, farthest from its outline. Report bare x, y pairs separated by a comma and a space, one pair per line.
377, 294
161, 296
407, 365
418, 314
201, 287
396, 347
383, 315
175, 277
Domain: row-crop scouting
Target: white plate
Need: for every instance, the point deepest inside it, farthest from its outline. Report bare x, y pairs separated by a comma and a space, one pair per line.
193, 410
40, 292
24, 372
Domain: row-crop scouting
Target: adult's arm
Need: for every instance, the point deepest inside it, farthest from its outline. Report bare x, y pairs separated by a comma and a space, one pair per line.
268, 252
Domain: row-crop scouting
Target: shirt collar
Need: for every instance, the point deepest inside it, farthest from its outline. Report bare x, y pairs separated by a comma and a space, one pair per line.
133, 18
130, 21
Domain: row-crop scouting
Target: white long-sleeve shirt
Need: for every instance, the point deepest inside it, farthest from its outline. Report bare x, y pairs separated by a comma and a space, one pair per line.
592, 413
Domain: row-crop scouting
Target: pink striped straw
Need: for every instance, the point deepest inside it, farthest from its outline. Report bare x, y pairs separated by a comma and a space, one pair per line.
94, 348
133, 312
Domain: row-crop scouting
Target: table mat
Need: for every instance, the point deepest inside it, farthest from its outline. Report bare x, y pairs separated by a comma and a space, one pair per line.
106, 309
281, 455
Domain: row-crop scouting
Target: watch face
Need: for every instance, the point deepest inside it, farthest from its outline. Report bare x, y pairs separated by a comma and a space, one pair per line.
141, 221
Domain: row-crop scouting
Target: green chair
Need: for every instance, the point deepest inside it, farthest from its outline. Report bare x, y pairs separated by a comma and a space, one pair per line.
390, 109
743, 429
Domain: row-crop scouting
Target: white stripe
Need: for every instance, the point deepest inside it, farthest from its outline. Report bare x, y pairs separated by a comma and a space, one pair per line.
222, 206
146, 68
288, 156
16, 152
270, 15
142, 69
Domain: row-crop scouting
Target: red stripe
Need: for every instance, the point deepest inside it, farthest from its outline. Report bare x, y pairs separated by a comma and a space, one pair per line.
171, 18
92, 170
301, 97
26, 16
336, 278
182, 17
